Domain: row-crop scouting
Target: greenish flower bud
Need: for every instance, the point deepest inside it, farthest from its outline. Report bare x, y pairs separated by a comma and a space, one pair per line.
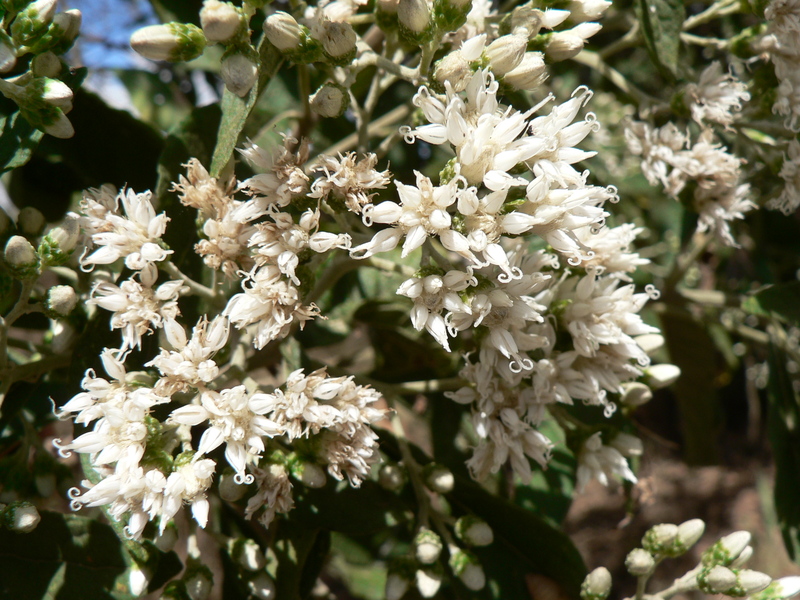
596, 585
523, 17
743, 557
8, 54
166, 540
220, 20
283, 31
449, 15
427, 546
247, 554
639, 562
31, 221
56, 247
438, 478
309, 473
727, 550
659, 376
338, 40
528, 74
467, 568
32, 21
46, 64
396, 586
716, 580
506, 53
138, 578
428, 582
262, 587
635, 394
660, 538
198, 581
474, 531
386, 14
753, 581
21, 517
689, 533
780, 589
392, 478
174, 42
65, 29
330, 101
21, 257
60, 301
414, 15
563, 45
455, 69
239, 74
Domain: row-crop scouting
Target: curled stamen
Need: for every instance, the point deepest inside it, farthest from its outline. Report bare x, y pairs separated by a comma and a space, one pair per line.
614, 194
73, 493
574, 260
63, 451
75, 505
514, 367
366, 215
598, 225
408, 135
526, 364
243, 479
652, 292
644, 361
609, 410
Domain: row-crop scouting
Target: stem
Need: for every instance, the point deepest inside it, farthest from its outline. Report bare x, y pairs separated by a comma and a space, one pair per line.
641, 586
388, 266
423, 501
705, 42
20, 308
198, 289
718, 9
426, 58
628, 40
593, 60
333, 272
686, 259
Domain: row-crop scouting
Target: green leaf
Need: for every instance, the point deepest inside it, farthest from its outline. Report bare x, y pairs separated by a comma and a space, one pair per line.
18, 140
66, 557
784, 435
692, 349
301, 552
661, 22
235, 110
781, 300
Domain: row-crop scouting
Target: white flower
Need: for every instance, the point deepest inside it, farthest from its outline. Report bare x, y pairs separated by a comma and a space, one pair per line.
350, 179
716, 96
283, 179
789, 199
596, 461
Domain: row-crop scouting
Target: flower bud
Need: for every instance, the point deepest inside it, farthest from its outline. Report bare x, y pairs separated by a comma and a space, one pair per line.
596, 585
563, 45
659, 376
392, 477
587, 10
283, 31
506, 53
21, 517
309, 473
69, 26
57, 124
8, 56
262, 587
21, 256
414, 15
247, 554
396, 586
166, 540
660, 538
427, 546
30, 221
474, 531
60, 301
338, 39
743, 557
785, 587
239, 74
32, 21
689, 533
635, 394
639, 562
438, 478
735, 543
553, 17
627, 445
46, 64
716, 580
650, 342
428, 582
174, 42
137, 581
220, 20
753, 581
528, 74
229, 490
330, 101
198, 583
467, 568
523, 17
455, 69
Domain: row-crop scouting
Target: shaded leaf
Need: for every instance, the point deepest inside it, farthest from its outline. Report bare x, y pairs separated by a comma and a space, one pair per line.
784, 435
661, 22
300, 551
18, 140
781, 300
66, 557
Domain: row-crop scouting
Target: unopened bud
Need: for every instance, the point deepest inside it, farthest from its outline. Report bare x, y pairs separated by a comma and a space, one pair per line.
455, 69
438, 478
220, 20
753, 581
21, 517
174, 42
627, 445
639, 562
596, 585
428, 582
198, 585
247, 554
21, 256
734, 543
396, 586
414, 15
330, 101
474, 531
743, 557
262, 587
166, 540
659, 376
239, 74
32, 21
716, 580
60, 301
229, 490
46, 64
30, 221
635, 394
782, 588
523, 17
137, 581
660, 538
8, 56
69, 26
587, 10
392, 477
427, 546
650, 342
528, 74
310, 474
283, 31
338, 39
689, 533
563, 45
57, 246
467, 568
57, 124
506, 53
